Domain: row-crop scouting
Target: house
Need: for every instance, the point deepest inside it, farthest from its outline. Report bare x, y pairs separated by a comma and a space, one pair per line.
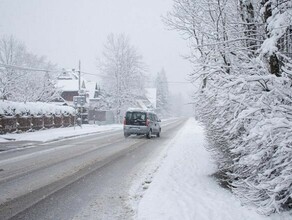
148, 101
68, 84
96, 107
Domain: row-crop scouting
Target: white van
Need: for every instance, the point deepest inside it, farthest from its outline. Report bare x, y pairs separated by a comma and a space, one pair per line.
141, 122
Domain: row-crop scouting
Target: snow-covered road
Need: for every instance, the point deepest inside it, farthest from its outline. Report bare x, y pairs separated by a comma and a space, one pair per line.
182, 188
176, 184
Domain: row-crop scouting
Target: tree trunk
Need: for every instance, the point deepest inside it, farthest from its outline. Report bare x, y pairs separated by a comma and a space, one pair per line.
274, 63
248, 17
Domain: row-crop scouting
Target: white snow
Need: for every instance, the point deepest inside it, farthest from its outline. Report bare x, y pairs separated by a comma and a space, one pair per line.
151, 96
33, 108
182, 187
68, 85
58, 133
178, 184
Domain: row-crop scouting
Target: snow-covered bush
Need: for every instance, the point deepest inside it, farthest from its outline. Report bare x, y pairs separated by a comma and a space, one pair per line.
242, 55
250, 133
9, 108
262, 172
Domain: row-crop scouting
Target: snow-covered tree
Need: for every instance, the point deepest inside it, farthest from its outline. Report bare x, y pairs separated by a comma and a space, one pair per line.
241, 54
12, 52
276, 48
124, 72
20, 78
162, 94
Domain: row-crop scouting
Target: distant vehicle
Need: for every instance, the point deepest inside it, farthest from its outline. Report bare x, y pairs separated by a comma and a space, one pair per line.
141, 122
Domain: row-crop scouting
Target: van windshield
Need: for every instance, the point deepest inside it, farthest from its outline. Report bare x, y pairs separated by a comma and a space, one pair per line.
135, 118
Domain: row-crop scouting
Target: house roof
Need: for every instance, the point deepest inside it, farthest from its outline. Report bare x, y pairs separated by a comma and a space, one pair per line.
68, 82
90, 88
151, 96
68, 85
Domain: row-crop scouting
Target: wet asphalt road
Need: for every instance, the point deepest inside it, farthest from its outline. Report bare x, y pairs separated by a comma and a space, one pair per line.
80, 178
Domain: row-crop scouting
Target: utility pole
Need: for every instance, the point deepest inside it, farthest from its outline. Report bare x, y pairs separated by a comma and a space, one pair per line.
79, 78
79, 89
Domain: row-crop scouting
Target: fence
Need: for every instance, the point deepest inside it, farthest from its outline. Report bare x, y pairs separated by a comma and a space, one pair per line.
19, 123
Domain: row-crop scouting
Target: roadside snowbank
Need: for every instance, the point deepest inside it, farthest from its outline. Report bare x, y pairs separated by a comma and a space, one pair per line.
58, 133
182, 188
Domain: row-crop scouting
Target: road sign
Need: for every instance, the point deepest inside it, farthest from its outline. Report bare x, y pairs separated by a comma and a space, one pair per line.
79, 100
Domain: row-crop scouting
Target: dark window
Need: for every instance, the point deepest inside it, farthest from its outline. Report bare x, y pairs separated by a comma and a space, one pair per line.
135, 118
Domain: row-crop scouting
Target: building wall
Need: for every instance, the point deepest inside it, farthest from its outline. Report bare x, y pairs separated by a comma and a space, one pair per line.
68, 95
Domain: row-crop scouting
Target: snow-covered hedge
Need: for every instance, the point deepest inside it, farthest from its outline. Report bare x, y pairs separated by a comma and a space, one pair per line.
243, 62
10, 108
250, 132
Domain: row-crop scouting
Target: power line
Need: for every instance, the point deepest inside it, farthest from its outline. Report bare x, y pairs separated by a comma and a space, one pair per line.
86, 73
47, 70
94, 74
27, 68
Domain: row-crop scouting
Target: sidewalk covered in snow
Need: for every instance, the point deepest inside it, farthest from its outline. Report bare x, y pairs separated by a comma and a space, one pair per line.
183, 187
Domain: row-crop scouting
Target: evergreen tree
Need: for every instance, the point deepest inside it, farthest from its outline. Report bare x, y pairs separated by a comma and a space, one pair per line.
162, 94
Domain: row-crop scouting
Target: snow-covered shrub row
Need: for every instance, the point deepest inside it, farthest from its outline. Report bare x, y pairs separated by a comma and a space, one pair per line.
250, 133
241, 55
10, 108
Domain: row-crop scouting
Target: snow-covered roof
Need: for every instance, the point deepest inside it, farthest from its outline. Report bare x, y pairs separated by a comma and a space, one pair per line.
68, 75
68, 85
68, 82
151, 96
90, 89
142, 104
138, 110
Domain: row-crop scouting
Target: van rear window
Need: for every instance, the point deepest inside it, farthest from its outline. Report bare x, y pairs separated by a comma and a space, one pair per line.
135, 118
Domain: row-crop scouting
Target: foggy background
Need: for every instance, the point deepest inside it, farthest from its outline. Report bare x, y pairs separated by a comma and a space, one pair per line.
66, 31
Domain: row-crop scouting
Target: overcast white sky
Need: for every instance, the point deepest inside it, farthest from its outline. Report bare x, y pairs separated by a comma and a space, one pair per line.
68, 30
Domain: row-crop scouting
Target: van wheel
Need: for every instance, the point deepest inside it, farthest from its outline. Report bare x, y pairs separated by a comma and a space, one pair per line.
126, 135
158, 134
149, 134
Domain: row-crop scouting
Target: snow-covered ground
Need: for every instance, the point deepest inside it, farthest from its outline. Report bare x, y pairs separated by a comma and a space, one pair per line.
178, 185
182, 188
58, 133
